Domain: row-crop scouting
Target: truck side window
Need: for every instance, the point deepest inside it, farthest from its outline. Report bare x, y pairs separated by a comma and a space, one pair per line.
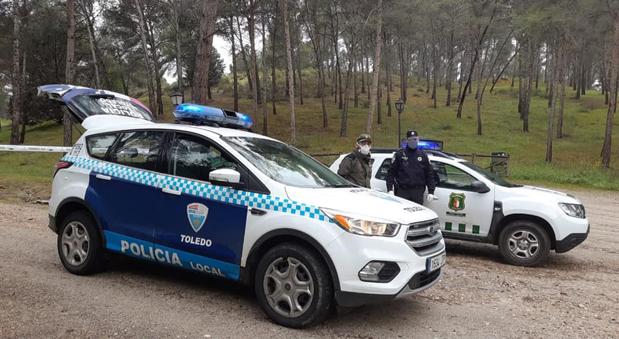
195, 158
139, 149
449, 176
381, 174
98, 145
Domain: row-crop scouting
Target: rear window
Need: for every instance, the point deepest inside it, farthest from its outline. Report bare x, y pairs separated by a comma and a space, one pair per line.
98, 145
110, 105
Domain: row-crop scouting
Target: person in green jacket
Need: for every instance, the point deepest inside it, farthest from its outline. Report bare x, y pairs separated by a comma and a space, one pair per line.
356, 167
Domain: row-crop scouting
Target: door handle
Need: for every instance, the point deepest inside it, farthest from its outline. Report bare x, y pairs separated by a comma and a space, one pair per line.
103, 177
170, 191
257, 211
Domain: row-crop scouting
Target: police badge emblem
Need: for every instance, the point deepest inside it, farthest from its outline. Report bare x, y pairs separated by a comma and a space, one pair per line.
197, 213
456, 201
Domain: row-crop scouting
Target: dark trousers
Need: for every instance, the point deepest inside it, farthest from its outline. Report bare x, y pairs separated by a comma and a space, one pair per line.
414, 194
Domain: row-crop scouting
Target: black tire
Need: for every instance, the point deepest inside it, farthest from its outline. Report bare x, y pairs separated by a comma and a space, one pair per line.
526, 230
321, 303
91, 245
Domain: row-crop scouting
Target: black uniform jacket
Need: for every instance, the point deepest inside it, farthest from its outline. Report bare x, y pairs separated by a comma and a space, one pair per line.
411, 168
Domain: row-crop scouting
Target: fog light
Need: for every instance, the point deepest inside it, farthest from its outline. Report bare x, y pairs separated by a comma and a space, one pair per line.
379, 271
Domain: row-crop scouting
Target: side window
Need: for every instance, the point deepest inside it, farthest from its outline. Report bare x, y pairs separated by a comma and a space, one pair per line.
448, 176
195, 158
98, 145
381, 174
139, 149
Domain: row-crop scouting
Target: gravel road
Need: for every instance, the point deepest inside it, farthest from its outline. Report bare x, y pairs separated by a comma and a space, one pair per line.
575, 294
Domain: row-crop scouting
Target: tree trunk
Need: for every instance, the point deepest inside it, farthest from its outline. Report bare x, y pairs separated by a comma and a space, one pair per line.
149, 71
235, 77
16, 76
612, 106
474, 61
344, 117
293, 132
91, 41
554, 74
199, 92
273, 65
67, 139
376, 66
450, 62
176, 10
300, 73
265, 116
251, 28
244, 55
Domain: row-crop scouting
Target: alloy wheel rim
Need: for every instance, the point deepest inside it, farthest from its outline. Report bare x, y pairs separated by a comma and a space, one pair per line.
523, 244
75, 243
288, 287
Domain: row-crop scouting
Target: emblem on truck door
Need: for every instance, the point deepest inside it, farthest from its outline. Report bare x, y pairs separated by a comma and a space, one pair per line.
456, 201
197, 213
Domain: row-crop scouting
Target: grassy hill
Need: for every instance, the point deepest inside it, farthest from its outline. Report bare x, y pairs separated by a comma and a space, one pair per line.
576, 157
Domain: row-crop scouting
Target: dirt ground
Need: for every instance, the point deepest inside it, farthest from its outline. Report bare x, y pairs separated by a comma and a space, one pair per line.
575, 294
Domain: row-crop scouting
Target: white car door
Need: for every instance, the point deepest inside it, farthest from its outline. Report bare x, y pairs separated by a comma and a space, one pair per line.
380, 168
461, 208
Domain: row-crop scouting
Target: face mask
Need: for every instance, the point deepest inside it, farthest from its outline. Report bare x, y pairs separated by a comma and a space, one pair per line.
412, 142
364, 149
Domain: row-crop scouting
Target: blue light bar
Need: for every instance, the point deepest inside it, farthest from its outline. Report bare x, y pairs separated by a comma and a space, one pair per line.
208, 115
426, 144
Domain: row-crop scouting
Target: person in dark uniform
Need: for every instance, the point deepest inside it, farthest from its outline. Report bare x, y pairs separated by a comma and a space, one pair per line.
411, 172
356, 167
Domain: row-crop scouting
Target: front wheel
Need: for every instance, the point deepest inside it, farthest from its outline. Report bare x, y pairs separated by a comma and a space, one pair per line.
293, 286
524, 243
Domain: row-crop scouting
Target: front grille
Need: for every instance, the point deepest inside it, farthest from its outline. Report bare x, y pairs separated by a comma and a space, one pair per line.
425, 237
421, 279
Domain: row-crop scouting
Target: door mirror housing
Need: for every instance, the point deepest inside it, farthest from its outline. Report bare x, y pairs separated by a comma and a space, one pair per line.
225, 177
480, 187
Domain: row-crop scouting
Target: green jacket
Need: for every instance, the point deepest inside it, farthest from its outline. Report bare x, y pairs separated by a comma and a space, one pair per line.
356, 168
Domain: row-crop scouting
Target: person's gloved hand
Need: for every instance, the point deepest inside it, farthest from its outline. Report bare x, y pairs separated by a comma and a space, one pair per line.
391, 193
431, 197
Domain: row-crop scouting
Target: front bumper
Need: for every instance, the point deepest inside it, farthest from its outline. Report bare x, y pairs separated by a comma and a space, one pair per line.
351, 252
418, 283
571, 241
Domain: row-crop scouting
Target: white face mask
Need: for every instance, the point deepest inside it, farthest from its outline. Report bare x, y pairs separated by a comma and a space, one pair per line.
364, 149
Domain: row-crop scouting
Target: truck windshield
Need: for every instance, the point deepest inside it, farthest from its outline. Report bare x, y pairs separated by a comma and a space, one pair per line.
286, 164
489, 175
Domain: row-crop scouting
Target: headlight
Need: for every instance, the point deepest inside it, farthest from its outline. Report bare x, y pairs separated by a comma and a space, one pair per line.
573, 210
363, 226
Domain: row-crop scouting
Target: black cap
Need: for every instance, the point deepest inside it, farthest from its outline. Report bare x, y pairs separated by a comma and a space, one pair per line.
411, 133
364, 138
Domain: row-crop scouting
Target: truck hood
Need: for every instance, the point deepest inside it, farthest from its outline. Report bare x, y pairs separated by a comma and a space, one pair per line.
362, 202
546, 195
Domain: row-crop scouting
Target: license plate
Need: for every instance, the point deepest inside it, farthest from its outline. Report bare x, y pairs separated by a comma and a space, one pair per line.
436, 262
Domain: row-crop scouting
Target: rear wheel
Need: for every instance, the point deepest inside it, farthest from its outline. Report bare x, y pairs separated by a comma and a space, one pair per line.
79, 244
524, 243
293, 286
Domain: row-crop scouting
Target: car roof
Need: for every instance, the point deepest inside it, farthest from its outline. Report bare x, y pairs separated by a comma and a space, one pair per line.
125, 124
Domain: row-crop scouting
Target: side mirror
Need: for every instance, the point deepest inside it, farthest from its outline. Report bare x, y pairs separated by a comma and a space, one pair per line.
225, 177
480, 187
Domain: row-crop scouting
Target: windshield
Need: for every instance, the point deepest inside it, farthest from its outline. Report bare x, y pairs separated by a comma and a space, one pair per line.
489, 175
286, 164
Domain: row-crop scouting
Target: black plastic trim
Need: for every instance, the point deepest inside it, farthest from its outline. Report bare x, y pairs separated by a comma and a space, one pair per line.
86, 206
497, 217
571, 241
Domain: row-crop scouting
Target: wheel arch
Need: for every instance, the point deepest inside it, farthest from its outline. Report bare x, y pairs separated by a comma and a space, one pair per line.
73, 204
275, 237
528, 217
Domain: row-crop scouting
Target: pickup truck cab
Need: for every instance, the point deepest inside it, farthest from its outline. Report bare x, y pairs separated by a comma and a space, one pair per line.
473, 204
234, 205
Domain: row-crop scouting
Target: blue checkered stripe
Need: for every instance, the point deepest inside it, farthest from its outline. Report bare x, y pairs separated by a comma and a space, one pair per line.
201, 189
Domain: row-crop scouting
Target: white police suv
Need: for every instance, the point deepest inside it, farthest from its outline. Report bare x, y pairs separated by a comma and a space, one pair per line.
474, 204
235, 205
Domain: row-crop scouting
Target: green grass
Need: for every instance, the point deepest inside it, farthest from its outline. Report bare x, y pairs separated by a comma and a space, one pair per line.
576, 160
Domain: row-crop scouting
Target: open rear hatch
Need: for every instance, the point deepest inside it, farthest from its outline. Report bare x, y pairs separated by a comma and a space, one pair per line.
84, 102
